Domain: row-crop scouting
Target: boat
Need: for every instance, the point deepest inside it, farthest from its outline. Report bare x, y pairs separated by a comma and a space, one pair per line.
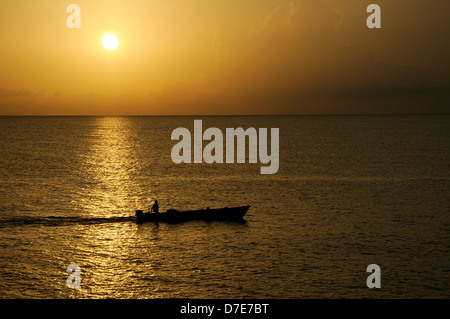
176, 216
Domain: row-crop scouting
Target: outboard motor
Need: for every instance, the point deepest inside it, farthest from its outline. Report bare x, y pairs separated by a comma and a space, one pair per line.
140, 216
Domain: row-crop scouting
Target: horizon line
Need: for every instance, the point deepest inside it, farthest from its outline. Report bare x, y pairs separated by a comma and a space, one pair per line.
211, 115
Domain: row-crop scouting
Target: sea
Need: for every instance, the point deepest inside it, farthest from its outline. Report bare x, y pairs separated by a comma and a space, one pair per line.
351, 191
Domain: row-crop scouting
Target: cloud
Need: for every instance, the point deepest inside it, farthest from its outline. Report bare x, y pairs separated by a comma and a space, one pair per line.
295, 62
15, 93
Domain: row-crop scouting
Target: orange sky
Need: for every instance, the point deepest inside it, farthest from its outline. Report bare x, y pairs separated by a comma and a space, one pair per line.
224, 57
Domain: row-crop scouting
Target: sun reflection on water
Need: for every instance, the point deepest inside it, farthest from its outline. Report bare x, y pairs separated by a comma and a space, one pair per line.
110, 166
108, 254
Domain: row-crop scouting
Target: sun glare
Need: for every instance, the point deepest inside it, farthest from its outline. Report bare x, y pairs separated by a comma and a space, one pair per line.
110, 42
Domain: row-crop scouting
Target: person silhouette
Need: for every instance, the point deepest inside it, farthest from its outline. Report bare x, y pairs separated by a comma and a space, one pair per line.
155, 207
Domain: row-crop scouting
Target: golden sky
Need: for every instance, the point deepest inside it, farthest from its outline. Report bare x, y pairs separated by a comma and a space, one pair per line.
224, 57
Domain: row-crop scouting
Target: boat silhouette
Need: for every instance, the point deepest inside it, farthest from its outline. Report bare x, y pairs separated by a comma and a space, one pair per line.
176, 216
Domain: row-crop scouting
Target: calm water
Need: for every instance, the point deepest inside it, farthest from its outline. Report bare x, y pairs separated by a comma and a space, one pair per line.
351, 191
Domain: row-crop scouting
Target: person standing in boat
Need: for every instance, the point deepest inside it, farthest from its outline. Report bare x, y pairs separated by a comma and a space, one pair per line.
155, 207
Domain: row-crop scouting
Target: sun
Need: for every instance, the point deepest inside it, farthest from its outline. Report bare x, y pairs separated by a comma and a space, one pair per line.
110, 42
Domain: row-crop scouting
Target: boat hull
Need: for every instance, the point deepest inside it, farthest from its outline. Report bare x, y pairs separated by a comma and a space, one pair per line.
174, 216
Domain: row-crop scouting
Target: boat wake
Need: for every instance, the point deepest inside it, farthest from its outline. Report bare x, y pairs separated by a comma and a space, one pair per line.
61, 220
